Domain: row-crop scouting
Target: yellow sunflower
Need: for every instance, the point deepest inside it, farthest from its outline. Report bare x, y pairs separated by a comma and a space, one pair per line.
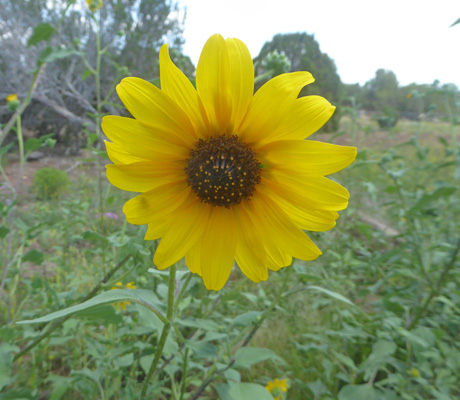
277, 387
224, 174
94, 5
12, 97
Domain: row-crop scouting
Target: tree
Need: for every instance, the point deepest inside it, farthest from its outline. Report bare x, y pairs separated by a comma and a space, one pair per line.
382, 91
131, 32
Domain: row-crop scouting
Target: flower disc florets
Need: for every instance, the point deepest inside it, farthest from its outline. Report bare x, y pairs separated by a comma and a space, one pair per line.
222, 171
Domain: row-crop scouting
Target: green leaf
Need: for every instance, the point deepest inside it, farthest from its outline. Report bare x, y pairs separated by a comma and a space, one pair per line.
124, 361
140, 296
204, 324
42, 32
245, 357
5, 149
3, 231
428, 198
86, 74
94, 237
242, 391
455, 23
202, 349
92, 137
382, 350
246, 318
102, 314
32, 144
332, 294
6, 360
359, 392
50, 54
34, 256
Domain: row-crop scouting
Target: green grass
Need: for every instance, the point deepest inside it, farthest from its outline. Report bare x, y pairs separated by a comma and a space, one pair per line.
399, 339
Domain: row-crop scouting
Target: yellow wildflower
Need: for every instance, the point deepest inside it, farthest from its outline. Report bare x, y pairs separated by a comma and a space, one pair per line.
277, 387
94, 4
119, 285
12, 97
415, 372
225, 174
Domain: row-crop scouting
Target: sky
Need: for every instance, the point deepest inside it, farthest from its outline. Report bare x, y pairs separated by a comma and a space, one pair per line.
410, 37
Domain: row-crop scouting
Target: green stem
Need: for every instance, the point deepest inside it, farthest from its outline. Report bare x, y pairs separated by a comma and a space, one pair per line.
437, 288
263, 76
164, 332
250, 335
182, 291
413, 226
20, 142
184, 375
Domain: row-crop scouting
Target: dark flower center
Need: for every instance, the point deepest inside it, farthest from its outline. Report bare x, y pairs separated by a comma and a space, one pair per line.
222, 171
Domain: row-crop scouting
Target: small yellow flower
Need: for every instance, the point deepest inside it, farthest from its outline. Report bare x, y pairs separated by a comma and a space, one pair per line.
415, 372
12, 97
119, 285
94, 4
277, 387
224, 174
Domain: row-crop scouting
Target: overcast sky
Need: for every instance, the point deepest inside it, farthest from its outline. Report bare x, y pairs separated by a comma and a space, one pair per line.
410, 37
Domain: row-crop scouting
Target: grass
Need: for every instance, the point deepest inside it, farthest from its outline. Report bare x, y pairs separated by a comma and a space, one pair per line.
397, 340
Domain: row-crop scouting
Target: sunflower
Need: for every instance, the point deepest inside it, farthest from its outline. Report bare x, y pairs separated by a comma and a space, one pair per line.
94, 5
224, 174
277, 387
12, 97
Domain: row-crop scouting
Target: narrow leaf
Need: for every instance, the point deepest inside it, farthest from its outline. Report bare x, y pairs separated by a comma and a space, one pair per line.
141, 296
332, 294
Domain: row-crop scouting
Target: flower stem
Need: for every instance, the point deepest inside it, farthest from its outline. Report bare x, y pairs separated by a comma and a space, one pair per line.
164, 332
249, 336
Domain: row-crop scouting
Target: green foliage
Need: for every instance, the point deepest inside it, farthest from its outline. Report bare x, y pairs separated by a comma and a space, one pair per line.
42, 32
50, 183
388, 119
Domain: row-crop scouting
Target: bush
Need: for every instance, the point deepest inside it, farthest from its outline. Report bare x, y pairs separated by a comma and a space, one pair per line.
388, 119
50, 183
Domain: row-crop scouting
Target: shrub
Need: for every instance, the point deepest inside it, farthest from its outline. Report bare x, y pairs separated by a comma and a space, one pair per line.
388, 119
50, 183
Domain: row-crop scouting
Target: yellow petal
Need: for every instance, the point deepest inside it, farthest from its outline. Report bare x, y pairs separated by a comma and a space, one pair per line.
141, 141
185, 228
212, 84
250, 252
304, 118
241, 81
156, 229
177, 86
291, 239
270, 105
306, 156
276, 257
153, 205
118, 155
298, 208
193, 259
314, 191
143, 176
152, 107
218, 246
